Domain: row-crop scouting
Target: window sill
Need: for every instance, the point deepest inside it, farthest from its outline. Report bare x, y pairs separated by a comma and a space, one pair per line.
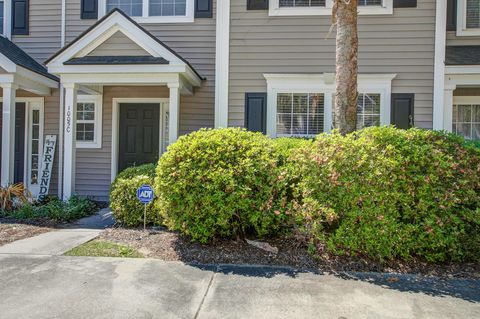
172, 19
87, 145
468, 32
274, 12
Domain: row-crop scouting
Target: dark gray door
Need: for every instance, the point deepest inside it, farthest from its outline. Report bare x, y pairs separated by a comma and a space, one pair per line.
139, 134
19, 157
402, 110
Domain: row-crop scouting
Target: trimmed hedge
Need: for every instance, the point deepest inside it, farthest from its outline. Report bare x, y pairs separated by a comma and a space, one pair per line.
389, 193
220, 183
123, 196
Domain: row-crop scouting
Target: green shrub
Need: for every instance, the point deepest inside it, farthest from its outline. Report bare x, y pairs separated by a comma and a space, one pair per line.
123, 196
220, 182
57, 210
389, 193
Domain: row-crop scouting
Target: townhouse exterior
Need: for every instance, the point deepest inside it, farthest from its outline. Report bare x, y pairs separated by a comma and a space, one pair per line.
116, 81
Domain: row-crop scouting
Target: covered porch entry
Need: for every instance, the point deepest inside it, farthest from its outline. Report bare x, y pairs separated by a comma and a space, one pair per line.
147, 79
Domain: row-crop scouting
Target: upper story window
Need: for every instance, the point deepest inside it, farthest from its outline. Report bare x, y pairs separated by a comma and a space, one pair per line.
468, 19
152, 11
324, 7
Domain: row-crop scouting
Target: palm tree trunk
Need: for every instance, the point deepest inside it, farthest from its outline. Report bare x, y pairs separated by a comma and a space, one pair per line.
346, 94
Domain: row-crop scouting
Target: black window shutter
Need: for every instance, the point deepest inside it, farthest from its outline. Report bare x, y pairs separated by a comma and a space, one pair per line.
89, 9
203, 9
257, 4
20, 17
404, 3
451, 15
256, 112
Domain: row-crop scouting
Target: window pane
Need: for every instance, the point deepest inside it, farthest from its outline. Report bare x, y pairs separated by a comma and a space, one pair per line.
85, 132
370, 2
300, 114
476, 113
301, 3
130, 7
473, 14
168, 7
1, 17
466, 120
368, 110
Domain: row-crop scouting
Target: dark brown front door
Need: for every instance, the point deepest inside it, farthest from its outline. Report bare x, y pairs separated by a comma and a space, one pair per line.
139, 134
19, 157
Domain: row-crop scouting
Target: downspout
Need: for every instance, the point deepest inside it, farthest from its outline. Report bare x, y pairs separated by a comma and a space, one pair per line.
439, 64
61, 104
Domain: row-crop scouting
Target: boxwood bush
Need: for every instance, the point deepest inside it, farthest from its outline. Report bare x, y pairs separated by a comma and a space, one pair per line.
220, 183
123, 196
389, 193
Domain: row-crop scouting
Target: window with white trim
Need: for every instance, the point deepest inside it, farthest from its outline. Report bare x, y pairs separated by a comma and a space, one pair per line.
324, 7
301, 105
468, 17
2, 16
89, 122
300, 114
466, 120
154, 11
368, 110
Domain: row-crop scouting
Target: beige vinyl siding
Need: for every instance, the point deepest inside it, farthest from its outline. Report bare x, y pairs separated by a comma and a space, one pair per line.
119, 44
453, 39
44, 37
402, 43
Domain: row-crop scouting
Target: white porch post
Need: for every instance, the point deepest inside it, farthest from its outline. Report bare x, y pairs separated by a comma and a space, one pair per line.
8, 132
448, 107
69, 153
174, 110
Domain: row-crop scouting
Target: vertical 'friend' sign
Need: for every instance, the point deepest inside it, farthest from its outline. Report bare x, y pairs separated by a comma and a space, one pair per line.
46, 165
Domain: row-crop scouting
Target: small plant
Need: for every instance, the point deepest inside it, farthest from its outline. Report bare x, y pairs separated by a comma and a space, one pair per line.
11, 195
123, 196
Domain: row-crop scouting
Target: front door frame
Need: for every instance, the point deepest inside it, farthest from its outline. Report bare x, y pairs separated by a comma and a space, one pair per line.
32, 103
116, 125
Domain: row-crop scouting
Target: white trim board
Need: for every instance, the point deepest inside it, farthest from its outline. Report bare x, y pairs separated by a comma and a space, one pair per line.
162, 102
324, 83
222, 63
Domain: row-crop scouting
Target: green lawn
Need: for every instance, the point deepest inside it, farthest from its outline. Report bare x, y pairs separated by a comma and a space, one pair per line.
98, 248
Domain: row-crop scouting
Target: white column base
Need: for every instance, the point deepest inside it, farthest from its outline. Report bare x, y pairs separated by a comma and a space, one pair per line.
174, 112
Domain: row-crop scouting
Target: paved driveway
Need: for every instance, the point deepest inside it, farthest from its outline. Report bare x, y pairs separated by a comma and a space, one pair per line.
77, 287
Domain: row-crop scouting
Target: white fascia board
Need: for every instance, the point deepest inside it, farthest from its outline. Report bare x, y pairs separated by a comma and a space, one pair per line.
118, 69
7, 64
36, 77
463, 69
130, 78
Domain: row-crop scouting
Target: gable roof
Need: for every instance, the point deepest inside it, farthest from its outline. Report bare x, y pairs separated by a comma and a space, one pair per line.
15, 54
104, 18
462, 55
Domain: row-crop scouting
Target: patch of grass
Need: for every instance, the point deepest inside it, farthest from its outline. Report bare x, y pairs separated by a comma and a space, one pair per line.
98, 248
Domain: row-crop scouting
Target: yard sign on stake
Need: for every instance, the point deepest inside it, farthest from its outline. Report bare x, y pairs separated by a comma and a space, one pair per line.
145, 196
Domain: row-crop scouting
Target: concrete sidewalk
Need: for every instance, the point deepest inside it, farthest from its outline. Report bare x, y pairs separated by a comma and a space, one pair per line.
58, 242
82, 287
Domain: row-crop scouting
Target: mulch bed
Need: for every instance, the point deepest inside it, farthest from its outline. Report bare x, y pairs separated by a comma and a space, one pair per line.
10, 232
170, 246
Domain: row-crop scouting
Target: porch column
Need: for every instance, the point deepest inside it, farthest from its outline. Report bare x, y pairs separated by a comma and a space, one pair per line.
69, 153
174, 110
448, 107
8, 132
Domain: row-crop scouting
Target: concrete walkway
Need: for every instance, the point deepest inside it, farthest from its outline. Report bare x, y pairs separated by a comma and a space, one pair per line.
81, 287
60, 241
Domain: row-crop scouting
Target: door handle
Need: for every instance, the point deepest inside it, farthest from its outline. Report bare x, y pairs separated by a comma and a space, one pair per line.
410, 120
